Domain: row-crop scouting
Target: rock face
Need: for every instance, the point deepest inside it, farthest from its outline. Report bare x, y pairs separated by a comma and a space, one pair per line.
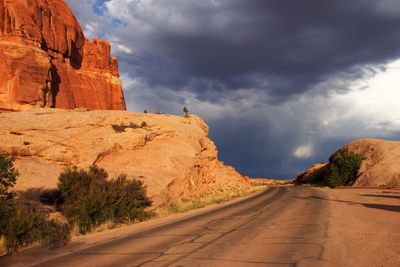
45, 60
381, 166
172, 155
315, 174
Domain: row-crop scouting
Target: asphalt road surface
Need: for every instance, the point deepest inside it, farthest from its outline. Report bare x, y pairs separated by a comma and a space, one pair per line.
285, 226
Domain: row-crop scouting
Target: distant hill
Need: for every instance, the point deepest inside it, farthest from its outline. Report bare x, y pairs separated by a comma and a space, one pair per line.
381, 166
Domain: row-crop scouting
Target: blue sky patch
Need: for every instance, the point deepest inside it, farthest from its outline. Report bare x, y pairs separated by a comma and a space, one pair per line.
99, 8
117, 22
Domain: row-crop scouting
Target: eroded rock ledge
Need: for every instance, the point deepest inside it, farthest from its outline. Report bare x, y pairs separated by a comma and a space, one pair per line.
171, 154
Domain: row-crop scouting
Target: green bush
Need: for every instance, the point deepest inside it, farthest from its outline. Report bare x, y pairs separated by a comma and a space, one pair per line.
54, 234
21, 225
8, 178
7, 211
343, 168
89, 199
21, 229
29, 225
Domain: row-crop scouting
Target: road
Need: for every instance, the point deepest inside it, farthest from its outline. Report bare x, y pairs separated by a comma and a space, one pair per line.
286, 226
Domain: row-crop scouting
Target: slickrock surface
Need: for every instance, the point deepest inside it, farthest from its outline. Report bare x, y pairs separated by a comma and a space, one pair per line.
380, 168
172, 154
45, 60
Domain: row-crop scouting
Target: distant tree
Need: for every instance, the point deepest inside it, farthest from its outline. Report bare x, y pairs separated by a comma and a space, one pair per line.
186, 111
145, 111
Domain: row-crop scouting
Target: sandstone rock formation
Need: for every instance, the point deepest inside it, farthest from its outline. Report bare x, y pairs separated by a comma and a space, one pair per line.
380, 168
172, 155
315, 174
45, 60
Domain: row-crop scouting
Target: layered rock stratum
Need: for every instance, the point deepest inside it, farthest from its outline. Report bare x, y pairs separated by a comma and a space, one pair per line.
46, 61
380, 167
171, 154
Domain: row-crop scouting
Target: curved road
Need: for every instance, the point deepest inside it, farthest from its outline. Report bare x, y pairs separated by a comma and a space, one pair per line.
286, 226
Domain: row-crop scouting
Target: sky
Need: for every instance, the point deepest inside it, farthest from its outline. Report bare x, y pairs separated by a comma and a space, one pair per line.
281, 83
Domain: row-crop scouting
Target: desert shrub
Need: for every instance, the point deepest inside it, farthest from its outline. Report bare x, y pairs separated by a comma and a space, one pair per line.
29, 226
119, 128
21, 229
54, 234
90, 200
343, 168
21, 225
8, 178
7, 211
144, 124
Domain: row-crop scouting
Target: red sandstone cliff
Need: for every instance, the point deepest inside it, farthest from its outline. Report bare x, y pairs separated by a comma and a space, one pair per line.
45, 60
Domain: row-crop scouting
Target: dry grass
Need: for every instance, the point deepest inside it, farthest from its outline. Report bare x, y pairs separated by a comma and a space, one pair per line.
203, 201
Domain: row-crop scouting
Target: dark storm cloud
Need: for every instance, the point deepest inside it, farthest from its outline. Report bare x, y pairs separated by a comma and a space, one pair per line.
260, 72
282, 47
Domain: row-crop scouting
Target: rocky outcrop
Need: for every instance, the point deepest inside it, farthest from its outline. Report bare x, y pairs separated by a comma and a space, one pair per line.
315, 174
379, 168
171, 154
381, 165
45, 60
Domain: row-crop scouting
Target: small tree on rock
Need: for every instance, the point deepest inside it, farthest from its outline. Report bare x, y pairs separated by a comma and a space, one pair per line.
186, 111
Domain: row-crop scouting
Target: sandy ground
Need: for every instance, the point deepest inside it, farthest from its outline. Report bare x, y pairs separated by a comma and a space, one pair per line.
364, 226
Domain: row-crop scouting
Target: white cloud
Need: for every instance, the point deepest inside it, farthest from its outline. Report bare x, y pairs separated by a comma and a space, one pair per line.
122, 48
372, 103
90, 30
304, 152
